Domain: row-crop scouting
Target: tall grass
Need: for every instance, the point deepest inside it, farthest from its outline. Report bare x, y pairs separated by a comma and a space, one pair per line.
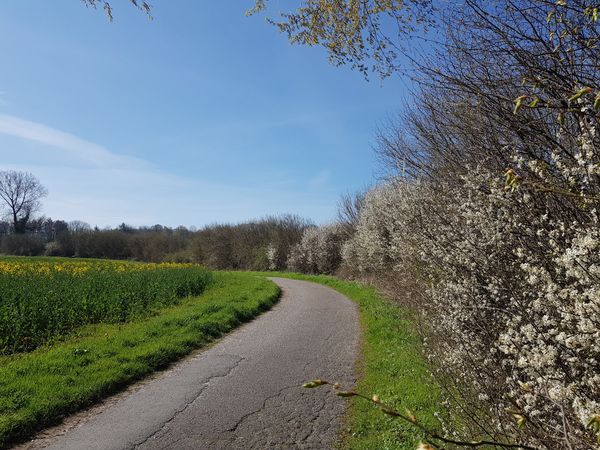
43, 300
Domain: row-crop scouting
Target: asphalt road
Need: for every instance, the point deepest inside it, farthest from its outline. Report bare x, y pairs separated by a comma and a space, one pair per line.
244, 392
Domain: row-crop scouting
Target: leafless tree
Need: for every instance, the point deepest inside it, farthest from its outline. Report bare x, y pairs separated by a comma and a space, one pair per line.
21, 193
349, 207
77, 226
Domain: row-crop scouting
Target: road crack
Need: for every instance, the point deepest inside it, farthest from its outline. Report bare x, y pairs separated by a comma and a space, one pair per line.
188, 403
234, 428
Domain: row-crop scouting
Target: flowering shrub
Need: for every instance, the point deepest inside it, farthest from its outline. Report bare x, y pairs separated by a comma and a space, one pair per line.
319, 250
511, 299
507, 270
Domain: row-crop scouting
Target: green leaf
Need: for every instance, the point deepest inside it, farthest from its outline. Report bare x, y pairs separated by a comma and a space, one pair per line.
594, 424
520, 420
597, 101
518, 103
314, 384
345, 393
410, 415
580, 93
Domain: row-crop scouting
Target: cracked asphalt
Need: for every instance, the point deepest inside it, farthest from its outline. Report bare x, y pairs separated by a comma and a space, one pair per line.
245, 391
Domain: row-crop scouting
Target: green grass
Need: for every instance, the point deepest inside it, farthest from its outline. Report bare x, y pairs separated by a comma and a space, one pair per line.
392, 366
39, 387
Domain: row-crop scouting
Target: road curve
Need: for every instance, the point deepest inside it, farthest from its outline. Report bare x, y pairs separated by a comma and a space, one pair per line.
244, 392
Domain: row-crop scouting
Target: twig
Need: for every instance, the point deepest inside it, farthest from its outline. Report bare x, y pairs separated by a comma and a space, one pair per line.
410, 418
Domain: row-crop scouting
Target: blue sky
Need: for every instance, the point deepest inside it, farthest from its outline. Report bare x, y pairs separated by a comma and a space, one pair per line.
201, 115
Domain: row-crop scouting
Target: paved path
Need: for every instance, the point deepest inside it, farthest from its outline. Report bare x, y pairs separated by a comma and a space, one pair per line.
244, 392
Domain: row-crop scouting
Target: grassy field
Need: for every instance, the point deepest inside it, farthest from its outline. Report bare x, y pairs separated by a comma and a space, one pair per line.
38, 387
44, 300
391, 366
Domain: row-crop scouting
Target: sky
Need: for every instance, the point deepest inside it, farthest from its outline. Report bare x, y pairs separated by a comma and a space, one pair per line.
201, 115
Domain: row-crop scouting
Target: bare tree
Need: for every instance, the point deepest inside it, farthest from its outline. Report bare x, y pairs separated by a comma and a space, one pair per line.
349, 207
21, 193
78, 226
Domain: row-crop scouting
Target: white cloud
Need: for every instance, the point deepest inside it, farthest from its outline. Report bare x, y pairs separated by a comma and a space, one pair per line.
105, 188
73, 146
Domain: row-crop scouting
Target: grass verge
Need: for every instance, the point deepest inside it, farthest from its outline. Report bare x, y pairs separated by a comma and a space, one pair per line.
391, 365
38, 388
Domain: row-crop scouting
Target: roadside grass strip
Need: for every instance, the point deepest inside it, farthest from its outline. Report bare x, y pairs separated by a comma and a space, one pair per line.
40, 387
391, 365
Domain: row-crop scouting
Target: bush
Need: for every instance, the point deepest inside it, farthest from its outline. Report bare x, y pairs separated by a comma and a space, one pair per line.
22, 245
319, 250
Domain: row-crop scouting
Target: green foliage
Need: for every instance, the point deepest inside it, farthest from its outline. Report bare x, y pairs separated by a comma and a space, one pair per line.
104, 358
21, 245
392, 367
354, 32
42, 300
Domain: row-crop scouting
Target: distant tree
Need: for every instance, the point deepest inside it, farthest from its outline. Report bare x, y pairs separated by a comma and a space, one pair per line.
22, 245
77, 226
107, 7
4, 227
20, 193
59, 227
124, 228
49, 229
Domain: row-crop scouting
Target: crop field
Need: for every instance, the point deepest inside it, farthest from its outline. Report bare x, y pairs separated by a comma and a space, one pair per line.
42, 300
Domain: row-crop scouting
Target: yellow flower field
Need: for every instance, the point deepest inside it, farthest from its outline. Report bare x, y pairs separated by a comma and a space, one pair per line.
43, 299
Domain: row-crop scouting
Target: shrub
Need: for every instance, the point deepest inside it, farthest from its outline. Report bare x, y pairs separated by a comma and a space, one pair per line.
22, 245
319, 250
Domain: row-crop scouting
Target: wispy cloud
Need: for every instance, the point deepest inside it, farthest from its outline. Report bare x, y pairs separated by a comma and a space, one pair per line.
320, 180
75, 147
106, 188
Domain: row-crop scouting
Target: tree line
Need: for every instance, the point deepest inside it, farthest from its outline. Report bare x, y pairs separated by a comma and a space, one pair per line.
261, 244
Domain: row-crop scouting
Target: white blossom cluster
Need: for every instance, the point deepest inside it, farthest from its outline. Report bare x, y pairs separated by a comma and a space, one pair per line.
272, 256
492, 224
319, 250
513, 299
